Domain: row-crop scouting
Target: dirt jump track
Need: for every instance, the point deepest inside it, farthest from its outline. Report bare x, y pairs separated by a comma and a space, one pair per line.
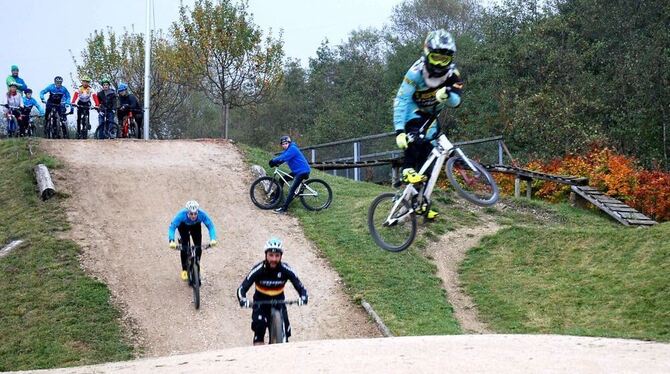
123, 195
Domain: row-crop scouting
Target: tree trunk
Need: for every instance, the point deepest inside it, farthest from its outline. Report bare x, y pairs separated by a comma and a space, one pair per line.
224, 119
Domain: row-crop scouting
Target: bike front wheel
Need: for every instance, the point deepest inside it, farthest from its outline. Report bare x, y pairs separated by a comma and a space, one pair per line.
317, 195
392, 226
476, 186
195, 284
277, 333
265, 192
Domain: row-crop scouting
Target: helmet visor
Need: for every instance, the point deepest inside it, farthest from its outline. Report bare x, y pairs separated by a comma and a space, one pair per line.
439, 59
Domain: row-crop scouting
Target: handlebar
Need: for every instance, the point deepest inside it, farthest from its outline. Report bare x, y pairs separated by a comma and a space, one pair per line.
84, 107
208, 246
274, 302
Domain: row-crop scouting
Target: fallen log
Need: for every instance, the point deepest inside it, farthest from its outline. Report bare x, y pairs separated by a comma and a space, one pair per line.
44, 183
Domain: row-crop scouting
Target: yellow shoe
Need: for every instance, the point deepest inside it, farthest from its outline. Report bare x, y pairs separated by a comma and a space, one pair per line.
411, 176
184, 275
432, 214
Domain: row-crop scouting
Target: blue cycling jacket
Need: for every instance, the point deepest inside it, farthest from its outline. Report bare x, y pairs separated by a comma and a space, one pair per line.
53, 90
33, 102
182, 217
294, 158
417, 94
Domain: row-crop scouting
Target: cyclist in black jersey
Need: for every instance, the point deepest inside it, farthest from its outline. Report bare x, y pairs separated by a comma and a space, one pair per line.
269, 277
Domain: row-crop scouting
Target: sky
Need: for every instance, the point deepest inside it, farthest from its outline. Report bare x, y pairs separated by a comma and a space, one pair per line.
41, 36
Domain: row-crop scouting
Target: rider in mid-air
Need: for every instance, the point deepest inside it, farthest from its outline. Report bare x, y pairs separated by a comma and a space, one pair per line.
59, 97
269, 277
432, 84
296, 162
188, 222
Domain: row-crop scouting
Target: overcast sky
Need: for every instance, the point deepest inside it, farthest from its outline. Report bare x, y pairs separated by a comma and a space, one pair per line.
39, 34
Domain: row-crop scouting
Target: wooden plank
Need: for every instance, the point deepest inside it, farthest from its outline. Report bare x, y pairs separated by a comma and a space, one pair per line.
617, 205
642, 222
600, 205
604, 199
621, 209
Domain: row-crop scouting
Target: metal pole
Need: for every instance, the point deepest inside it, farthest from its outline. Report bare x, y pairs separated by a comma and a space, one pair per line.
357, 158
313, 155
500, 153
147, 73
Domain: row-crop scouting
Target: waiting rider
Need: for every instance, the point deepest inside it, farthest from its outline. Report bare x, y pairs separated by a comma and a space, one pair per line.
188, 222
28, 103
108, 102
432, 84
84, 97
59, 96
269, 277
14, 103
296, 162
128, 102
14, 78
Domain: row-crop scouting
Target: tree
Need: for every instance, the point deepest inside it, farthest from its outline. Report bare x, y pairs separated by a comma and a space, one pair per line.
120, 58
224, 55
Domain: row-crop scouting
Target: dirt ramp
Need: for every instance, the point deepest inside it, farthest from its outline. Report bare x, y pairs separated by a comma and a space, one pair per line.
123, 196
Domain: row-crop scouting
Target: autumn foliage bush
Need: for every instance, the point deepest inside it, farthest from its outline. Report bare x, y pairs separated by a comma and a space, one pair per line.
618, 176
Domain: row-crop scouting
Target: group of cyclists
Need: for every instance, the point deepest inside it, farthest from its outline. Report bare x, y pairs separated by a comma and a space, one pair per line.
432, 84
56, 97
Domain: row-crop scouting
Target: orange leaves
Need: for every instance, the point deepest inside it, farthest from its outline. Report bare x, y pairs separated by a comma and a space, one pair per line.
617, 175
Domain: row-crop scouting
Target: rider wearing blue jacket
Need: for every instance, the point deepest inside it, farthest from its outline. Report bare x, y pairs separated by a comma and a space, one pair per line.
188, 222
296, 162
432, 84
59, 96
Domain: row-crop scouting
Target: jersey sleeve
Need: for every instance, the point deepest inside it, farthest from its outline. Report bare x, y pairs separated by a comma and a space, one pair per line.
210, 225
248, 281
402, 99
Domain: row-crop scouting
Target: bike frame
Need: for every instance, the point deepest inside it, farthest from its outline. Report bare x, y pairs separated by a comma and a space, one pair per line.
125, 129
286, 177
439, 154
11, 118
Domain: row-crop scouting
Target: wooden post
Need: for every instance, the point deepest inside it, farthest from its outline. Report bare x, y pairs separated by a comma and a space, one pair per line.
517, 187
44, 183
529, 188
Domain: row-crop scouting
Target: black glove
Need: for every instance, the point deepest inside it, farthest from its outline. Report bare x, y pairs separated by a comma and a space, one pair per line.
272, 163
303, 300
244, 303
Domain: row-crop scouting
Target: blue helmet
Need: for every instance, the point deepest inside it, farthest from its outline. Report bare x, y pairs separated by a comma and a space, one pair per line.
122, 87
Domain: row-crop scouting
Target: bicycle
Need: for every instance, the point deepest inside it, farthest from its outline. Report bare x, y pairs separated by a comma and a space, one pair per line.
84, 123
193, 270
267, 192
129, 126
277, 330
54, 128
12, 120
392, 216
105, 130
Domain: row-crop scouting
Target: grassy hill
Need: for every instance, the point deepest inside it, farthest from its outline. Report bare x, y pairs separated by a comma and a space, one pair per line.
551, 269
51, 313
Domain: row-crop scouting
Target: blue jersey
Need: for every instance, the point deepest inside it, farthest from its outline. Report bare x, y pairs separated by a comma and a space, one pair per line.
56, 92
32, 102
417, 94
294, 158
182, 217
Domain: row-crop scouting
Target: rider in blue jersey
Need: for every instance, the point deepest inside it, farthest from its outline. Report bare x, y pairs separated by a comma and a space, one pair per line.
432, 84
188, 222
296, 162
59, 97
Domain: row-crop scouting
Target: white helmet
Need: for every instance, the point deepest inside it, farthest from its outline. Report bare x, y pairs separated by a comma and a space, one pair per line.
192, 206
438, 51
274, 245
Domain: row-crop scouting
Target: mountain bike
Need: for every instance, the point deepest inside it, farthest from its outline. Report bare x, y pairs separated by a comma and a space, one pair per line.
129, 127
267, 192
29, 123
193, 270
276, 323
83, 120
392, 216
12, 120
105, 129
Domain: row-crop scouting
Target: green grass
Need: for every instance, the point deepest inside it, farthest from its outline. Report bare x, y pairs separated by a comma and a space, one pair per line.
401, 287
51, 313
572, 271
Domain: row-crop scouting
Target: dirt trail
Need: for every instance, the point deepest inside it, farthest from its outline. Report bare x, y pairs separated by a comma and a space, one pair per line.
448, 253
123, 196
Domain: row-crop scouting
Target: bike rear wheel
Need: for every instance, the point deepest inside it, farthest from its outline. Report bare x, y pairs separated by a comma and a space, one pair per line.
194, 281
317, 195
277, 333
397, 235
476, 186
266, 192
